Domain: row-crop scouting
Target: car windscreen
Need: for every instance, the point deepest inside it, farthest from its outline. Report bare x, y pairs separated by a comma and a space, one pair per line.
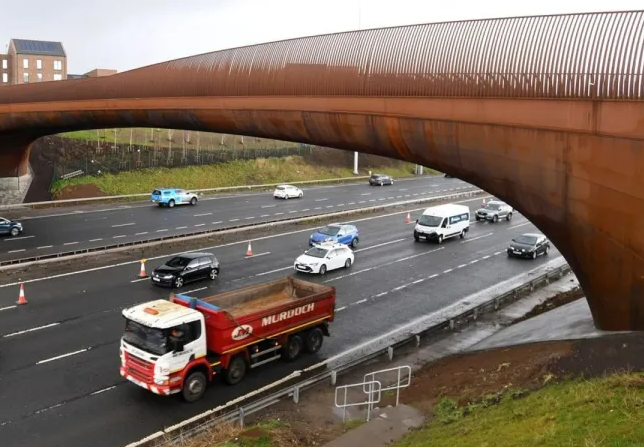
152, 340
178, 261
493, 206
329, 230
317, 252
430, 221
528, 240
280, 188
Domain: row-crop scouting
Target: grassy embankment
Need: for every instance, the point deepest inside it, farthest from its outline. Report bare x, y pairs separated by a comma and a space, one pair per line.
606, 411
240, 172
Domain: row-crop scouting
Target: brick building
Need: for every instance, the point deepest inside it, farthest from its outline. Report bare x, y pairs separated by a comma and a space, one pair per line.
28, 61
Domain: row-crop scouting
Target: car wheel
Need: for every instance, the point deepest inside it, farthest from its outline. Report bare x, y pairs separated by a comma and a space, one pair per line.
462, 234
285, 196
495, 218
171, 203
193, 201
477, 218
194, 387
547, 250
354, 242
160, 205
322, 269
15, 232
380, 183
416, 237
392, 182
509, 217
301, 194
440, 239
214, 273
347, 263
178, 282
534, 254
314, 340
509, 255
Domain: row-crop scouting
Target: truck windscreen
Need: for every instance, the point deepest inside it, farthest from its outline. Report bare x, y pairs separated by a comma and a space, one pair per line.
152, 340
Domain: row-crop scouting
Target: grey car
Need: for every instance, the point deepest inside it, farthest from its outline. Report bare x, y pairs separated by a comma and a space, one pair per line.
493, 211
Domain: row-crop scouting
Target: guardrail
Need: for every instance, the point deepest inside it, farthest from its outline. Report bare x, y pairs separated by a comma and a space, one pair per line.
70, 254
176, 434
212, 190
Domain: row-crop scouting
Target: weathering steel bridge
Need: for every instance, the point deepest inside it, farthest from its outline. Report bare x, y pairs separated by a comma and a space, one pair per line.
546, 113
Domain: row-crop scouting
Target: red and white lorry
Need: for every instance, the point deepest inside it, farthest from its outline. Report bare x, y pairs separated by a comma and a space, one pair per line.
181, 344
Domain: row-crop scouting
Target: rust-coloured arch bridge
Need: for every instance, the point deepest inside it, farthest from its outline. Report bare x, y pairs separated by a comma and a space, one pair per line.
546, 113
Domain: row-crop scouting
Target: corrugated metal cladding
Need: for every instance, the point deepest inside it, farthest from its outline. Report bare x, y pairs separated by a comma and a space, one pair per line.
598, 55
39, 47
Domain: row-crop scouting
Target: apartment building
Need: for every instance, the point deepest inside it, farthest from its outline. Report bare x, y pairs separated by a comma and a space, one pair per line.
29, 61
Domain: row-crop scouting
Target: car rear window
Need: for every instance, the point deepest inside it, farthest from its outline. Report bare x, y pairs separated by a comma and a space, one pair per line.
156, 192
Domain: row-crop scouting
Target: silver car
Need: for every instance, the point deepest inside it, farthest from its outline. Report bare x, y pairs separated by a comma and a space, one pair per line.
493, 211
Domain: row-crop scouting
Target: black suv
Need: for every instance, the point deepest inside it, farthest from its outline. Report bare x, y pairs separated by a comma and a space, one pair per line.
185, 268
10, 227
380, 179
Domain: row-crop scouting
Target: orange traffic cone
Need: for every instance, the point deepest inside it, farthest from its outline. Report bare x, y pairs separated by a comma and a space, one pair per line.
249, 252
408, 219
483, 203
142, 273
21, 298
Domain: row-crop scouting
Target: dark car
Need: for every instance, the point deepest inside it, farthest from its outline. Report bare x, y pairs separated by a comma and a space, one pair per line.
529, 245
10, 227
380, 179
185, 268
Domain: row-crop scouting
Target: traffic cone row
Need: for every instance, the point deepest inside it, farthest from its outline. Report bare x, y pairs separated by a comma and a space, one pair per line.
249, 251
21, 297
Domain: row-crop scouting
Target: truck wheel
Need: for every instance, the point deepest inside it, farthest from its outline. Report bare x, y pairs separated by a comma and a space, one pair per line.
171, 204
194, 387
193, 201
314, 340
509, 217
293, 348
236, 370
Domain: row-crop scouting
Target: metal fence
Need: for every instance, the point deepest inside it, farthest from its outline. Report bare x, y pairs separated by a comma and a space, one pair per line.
179, 433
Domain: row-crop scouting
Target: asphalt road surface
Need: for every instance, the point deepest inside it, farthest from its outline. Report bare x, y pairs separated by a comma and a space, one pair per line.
59, 379
85, 227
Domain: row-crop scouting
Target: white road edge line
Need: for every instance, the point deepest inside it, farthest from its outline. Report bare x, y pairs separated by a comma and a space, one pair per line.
103, 390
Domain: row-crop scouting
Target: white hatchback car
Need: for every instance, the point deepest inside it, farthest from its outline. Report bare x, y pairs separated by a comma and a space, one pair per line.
324, 257
287, 192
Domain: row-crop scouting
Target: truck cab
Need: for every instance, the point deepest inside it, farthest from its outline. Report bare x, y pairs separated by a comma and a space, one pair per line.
160, 340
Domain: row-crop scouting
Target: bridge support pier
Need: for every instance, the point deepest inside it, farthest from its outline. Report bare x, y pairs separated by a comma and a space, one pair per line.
15, 172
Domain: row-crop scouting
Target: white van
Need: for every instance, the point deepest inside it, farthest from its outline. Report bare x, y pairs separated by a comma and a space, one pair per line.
441, 222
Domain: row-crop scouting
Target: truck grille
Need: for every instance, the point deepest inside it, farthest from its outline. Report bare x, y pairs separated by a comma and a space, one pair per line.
139, 368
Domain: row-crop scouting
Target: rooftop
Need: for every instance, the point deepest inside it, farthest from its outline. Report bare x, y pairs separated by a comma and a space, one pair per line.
39, 47
163, 314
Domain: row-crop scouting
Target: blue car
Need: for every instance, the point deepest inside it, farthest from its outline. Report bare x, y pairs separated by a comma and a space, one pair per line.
342, 233
171, 196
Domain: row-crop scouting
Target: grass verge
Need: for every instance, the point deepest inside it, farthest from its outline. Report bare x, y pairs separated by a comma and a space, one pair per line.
605, 411
235, 173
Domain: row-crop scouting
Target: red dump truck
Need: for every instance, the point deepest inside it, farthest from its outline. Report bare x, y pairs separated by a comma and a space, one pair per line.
180, 344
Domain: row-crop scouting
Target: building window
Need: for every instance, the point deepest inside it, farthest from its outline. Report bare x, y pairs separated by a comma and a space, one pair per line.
5, 78
58, 65
39, 64
58, 77
39, 75
25, 78
25, 63
4, 64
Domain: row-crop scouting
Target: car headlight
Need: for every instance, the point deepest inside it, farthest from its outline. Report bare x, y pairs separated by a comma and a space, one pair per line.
315, 264
167, 277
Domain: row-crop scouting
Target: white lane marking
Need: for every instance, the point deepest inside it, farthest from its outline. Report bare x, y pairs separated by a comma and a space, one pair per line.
271, 271
477, 237
268, 206
44, 246
278, 214
181, 228
194, 290
228, 244
340, 204
98, 218
361, 301
58, 357
486, 257
320, 200
257, 255
305, 209
18, 238
380, 245
200, 225
140, 279
217, 223
96, 240
366, 194
381, 199
351, 203
70, 243
404, 189
233, 220
13, 334
474, 261
448, 270
433, 276
161, 231
17, 251
294, 211
251, 217
433, 186
341, 308
461, 266
124, 225
141, 233
7, 308
519, 225
118, 237
103, 390
264, 215
496, 253
329, 206
203, 214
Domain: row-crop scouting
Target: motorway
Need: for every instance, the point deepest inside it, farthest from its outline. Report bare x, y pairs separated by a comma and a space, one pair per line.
88, 227
59, 379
